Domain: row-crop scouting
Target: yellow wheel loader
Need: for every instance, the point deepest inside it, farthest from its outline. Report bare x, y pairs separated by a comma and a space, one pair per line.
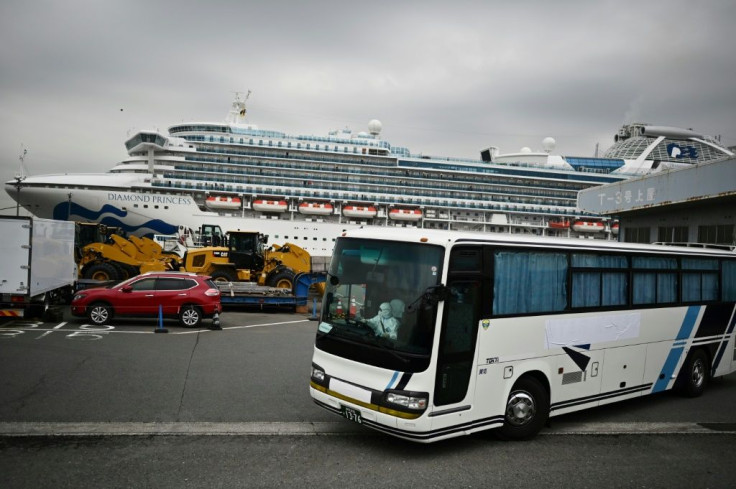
245, 258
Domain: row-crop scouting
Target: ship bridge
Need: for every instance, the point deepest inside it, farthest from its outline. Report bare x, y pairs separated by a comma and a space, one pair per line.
149, 142
145, 140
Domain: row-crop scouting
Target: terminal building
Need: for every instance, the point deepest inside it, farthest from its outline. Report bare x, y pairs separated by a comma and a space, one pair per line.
691, 205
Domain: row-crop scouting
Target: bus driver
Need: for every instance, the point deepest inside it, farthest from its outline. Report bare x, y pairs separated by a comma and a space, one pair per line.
384, 323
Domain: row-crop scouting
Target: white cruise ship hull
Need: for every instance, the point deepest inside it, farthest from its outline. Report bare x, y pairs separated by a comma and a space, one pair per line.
309, 189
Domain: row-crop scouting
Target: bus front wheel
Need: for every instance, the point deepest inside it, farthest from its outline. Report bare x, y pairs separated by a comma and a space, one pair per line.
527, 410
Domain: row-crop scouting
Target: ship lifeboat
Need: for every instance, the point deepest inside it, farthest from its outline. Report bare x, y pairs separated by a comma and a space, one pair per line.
362, 212
405, 214
614, 228
587, 226
216, 202
320, 209
269, 205
559, 224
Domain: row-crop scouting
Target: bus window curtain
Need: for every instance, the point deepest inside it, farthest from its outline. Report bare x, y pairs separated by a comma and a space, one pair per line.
729, 280
526, 282
586, 289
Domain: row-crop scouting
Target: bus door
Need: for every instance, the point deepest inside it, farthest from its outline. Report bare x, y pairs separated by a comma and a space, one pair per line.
456, 354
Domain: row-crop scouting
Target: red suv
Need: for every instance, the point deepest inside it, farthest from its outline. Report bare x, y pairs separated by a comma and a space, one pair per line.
186, 296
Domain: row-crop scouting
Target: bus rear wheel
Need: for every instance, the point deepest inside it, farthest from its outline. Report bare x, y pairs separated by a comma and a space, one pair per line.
527, 410
694, 374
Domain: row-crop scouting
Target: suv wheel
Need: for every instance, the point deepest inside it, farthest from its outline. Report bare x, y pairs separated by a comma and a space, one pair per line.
99, 313
190, 316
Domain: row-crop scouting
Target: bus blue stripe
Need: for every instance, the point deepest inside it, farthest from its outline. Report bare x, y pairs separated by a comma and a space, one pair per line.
686, 329
688, 323
669, 367
393, 379
722, 349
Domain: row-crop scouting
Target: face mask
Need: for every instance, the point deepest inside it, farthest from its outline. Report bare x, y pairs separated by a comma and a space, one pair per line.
385, 314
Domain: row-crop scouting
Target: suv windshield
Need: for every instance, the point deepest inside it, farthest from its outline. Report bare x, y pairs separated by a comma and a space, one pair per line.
377, 307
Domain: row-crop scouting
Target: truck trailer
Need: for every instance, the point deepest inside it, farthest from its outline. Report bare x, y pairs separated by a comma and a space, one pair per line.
37, 270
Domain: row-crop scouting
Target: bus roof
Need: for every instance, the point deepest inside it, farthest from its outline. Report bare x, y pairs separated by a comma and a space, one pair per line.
447, 238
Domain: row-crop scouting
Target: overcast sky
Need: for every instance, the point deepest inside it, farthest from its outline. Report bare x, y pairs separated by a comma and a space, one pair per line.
444, 78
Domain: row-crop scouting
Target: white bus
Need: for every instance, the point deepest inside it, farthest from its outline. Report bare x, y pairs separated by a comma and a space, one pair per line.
499, 331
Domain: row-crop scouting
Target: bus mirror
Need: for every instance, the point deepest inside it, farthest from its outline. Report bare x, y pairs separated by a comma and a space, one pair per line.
334, 279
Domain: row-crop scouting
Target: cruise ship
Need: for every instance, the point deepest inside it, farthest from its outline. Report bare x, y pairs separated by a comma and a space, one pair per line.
309, 189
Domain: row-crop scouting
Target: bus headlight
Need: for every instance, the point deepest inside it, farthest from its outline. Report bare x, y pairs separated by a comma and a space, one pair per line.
412, 401
318, 375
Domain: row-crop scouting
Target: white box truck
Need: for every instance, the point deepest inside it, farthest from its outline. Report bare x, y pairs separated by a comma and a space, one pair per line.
37, 266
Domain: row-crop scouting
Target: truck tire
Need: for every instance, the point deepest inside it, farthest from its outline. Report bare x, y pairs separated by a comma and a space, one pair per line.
224, 276
102, 271
125, 271
282, 278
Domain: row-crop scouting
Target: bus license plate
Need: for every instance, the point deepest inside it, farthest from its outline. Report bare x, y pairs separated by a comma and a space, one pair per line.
352, 414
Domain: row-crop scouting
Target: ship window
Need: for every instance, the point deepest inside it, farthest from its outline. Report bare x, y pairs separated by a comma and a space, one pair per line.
145, 206
135, 205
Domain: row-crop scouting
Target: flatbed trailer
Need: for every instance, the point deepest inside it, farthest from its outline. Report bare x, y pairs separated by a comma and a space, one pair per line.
249, 294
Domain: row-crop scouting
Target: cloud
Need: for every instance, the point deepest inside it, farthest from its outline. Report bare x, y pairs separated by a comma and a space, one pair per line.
444, 79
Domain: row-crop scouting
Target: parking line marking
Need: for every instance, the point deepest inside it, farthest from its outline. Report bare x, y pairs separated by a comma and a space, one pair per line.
60, 325
247, 326
82, 329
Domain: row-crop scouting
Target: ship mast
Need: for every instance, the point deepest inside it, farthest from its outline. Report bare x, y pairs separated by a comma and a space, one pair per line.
19, 177
238, 111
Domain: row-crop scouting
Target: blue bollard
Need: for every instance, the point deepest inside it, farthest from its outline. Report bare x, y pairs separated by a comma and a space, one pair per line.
314, 316
160, 328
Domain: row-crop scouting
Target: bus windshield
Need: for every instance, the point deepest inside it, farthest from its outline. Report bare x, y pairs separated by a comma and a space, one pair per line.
379, 305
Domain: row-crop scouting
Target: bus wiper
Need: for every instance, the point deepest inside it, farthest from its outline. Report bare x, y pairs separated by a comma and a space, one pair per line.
432, 295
